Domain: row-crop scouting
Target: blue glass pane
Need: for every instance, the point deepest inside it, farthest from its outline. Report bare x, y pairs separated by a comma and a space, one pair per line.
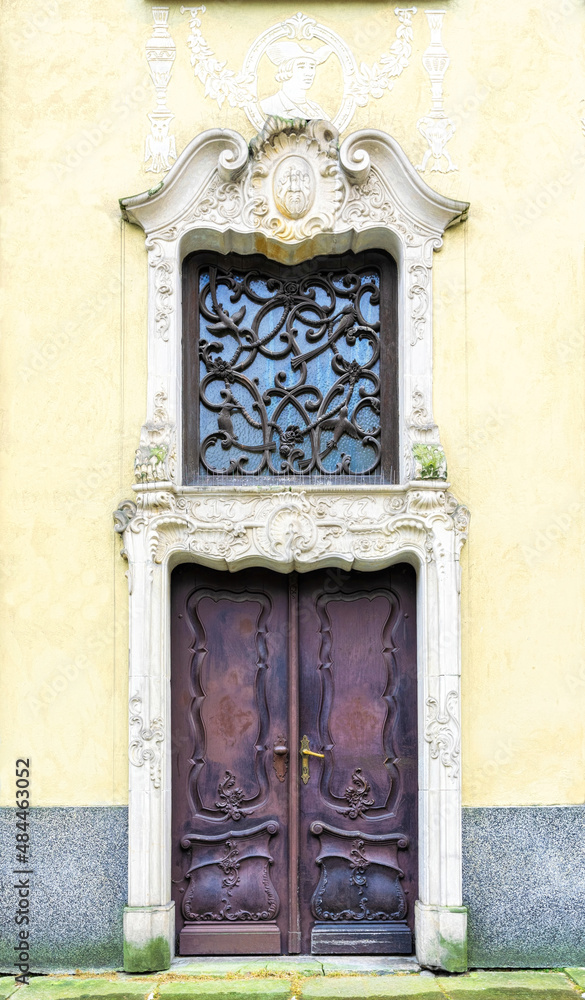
289, 373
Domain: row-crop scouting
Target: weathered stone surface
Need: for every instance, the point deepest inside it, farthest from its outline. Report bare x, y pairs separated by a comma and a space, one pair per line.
77, 904
366, 964
372, 988
234, 989
295, 965
70, 988
508, 986
578, 975
524, 885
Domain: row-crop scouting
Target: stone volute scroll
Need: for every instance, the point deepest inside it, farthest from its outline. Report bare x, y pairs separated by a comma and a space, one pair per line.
291, 194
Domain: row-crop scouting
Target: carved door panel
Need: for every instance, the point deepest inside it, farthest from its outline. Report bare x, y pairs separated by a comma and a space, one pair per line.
358, 862
229, 760
262, 662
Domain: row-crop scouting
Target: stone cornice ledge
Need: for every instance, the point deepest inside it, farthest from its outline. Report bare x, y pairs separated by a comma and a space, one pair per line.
293, 528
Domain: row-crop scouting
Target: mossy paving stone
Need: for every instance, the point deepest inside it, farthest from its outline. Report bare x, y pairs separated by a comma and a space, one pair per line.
71, 988
7, 987
578, 975
372, 988
283, 968
508, 986
231, 989
244, 966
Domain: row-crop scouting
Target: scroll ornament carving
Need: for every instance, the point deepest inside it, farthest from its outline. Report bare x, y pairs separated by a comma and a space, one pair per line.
357, 796
442, 732
146, 745
418, 292
230, 798
294, 528
163, 288
123, 515
371, 201
419, 415
230, 866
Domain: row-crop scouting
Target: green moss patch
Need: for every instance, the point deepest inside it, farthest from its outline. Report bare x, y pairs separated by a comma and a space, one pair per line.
577, 975
453, 955
7, 987
372, 988
231, 989
71, 988
155, 956
508, 986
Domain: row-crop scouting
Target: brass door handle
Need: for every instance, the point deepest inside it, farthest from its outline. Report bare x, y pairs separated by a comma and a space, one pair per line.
305, 754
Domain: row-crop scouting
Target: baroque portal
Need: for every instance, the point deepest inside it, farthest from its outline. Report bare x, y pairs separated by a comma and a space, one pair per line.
293, 195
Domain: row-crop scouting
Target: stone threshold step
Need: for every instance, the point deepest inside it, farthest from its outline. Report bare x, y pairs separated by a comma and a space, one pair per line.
296, 965
533, 985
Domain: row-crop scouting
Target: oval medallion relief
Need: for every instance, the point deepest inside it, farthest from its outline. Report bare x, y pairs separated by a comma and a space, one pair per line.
294, 187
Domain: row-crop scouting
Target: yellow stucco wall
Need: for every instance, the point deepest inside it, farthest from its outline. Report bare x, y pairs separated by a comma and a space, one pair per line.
509, 364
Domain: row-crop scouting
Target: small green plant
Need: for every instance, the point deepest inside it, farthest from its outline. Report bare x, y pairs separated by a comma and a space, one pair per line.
159, 451
430, 461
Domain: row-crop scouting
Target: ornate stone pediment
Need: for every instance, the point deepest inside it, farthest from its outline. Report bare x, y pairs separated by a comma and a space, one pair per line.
293, 182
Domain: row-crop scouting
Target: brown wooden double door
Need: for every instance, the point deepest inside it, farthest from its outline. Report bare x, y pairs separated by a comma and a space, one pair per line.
276, 850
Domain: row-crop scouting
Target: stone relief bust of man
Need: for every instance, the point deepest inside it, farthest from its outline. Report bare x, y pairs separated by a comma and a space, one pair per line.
296, 73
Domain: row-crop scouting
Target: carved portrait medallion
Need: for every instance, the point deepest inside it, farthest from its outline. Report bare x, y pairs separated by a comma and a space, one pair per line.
294, 187
292, 52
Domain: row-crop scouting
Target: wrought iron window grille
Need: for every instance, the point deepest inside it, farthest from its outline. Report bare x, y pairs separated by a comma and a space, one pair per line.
290, 372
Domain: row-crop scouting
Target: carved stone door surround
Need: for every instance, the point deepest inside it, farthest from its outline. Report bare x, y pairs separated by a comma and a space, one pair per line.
224, 195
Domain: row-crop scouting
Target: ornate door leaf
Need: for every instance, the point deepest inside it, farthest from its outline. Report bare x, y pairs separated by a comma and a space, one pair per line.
357, 800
